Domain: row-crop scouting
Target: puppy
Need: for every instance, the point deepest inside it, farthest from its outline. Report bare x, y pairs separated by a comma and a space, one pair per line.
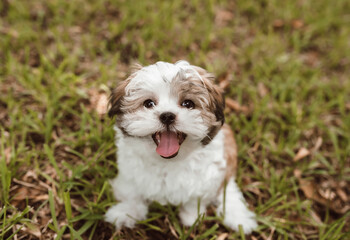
173, 147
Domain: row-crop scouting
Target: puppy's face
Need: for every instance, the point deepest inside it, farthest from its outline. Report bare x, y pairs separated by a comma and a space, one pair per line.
168, 105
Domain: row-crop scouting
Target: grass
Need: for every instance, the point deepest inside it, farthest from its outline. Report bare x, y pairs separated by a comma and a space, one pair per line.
287, 67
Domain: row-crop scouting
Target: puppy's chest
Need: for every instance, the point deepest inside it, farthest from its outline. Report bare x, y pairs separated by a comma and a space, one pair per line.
178, 183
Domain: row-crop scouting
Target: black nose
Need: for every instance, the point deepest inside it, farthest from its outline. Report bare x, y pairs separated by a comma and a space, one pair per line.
167, 118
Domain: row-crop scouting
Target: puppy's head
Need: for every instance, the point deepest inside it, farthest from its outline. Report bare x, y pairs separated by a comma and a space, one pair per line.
168, 105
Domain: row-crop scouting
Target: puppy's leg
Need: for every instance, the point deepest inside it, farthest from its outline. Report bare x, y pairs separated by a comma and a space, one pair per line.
131, 207
190, 211
234, 209
126, 213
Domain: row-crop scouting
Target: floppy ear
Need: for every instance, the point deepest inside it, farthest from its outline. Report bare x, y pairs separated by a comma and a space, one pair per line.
217, 100
216, 103
116, 97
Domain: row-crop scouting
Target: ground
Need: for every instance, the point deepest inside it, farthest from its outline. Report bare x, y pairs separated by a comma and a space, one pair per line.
284, 66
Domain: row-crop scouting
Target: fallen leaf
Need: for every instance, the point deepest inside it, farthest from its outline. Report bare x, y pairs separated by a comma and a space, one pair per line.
311, 58
278, 23
347, 106
20, 194
262, 90
30, 174
75, 30
318, 144
32, 229
99, 101
225, 80
302, 153
235, 106
308, 188
224, 84
297, 24
342, 195
223, 17
41, 197
222, 236
297, 173
102, 103
271, 234
310, 191
327, 194
315, 217
8, 31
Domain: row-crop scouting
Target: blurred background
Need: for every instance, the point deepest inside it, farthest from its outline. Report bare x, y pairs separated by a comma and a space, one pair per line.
284, 67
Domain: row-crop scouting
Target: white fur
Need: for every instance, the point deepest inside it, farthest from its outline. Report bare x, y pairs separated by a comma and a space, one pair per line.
193, 176
236, 213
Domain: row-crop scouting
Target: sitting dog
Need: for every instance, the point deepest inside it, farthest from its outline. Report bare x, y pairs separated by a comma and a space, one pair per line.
173, 147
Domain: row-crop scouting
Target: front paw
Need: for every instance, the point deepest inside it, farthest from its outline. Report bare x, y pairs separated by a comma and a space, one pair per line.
119, 217
188, 218
246, 220
189, 212
124, 214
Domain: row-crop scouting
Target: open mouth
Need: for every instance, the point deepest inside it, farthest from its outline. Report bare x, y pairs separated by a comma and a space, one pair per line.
168, 143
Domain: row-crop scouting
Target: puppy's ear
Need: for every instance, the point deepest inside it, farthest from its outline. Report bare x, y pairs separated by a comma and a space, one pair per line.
116, 97
216, 104
217, 100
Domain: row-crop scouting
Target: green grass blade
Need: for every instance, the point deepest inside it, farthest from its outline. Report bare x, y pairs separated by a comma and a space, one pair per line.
53, 211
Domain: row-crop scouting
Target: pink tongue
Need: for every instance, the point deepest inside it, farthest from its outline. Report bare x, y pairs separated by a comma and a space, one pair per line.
169, 144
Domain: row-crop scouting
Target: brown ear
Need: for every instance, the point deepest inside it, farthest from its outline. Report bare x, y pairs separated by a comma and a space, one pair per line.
115, 99
217, 100
217, 106
216, 103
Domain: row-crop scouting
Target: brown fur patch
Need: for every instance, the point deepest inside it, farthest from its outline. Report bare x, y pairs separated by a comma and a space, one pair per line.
134, 104
116, 102
230, 147
212, 132
192, 89
217, 100
230, 153
216, 103
206, 96
116, 97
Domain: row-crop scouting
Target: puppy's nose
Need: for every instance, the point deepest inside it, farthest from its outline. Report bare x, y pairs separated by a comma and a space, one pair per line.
167, 118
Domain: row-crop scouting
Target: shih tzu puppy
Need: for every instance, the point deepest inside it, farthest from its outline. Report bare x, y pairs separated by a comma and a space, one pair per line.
173, 147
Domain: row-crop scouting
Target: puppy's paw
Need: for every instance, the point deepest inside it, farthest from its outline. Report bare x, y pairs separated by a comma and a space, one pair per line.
119, 217
188, 218
245, 218
124, 214
189, 212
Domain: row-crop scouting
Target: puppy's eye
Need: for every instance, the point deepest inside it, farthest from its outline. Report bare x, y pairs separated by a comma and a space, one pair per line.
149, 103
187, 104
